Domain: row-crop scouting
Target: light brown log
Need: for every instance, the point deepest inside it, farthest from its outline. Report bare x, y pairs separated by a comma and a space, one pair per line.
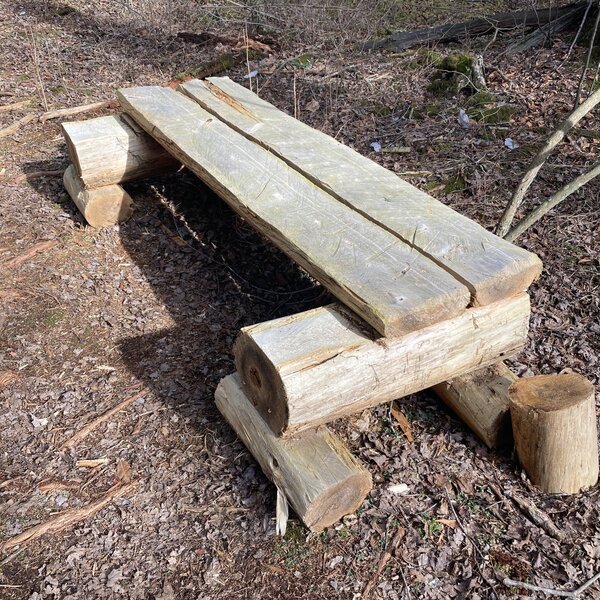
100, 207
385, 280
114, 149
554, 426
319, 476
480, 399
310, 368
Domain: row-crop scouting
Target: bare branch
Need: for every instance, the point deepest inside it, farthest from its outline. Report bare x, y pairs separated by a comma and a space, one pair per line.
555, 199
540, 158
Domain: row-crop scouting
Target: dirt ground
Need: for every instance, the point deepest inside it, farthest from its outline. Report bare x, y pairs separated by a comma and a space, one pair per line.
149, 310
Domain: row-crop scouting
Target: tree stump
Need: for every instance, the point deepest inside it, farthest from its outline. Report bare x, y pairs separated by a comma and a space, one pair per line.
554, 426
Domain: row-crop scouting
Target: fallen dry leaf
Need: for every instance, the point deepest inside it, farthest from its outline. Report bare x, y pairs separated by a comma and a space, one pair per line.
403, 422
123, 471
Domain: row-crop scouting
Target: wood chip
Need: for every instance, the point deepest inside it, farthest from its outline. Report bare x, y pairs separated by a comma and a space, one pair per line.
52, 485
8, 377
92, 462
403, 422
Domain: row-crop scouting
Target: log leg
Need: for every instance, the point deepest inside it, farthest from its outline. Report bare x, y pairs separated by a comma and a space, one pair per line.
101, 207
480, 399
555, 431
318, 475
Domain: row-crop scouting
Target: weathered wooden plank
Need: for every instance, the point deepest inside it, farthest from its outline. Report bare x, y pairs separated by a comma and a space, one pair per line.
310, 368
492, 268
392, 286
315, 471
114, 149
101, 207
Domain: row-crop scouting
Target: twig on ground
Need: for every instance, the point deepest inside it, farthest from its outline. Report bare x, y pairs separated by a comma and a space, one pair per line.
67, 518
550, 203
540, 158
579, 30
36, 67
14, 106
85, 431
538, 516
385, 557
16, 125
550, 591
13, 263
76, 110
36, 175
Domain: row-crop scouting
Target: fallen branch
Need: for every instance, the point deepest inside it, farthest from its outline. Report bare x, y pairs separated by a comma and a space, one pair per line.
564, 192
85, 431
67, 518
76, 110
383, 561
540, 158
13, 263
526, 19
550, 591
588, 57
16, 125
14, 106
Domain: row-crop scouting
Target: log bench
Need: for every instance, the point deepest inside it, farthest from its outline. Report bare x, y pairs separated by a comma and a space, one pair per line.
425, 295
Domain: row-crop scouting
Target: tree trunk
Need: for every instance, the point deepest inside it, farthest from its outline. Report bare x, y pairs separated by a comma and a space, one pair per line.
319, 476
311, 368
554, 426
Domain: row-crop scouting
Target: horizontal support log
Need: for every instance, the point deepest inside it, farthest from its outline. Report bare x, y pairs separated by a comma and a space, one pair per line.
310, 368
114, 149
319, 476
100, 207
480, 399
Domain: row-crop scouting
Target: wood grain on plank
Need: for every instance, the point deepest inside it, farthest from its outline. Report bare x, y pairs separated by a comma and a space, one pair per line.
492, 268
114, 149
313, 367
391, 285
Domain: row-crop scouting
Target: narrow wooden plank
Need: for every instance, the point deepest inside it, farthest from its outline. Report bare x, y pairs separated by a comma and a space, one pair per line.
392, 286
316, 472
101, 207
313, 367
492, 268
114, 149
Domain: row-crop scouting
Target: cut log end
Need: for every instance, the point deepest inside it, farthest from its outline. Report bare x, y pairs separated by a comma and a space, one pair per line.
337, 502
101, 207
555, 431
262, 383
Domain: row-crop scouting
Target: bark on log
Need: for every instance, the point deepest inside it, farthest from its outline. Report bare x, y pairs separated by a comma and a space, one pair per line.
319, 476
114, 149
525, 19
311, 368
554, 426
100, 207
480, 399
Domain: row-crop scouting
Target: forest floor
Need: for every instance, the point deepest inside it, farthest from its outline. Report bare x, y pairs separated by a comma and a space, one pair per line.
150, 309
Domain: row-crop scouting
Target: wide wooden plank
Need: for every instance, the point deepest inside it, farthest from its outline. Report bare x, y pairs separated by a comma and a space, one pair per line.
317, 473
307, 369
114, 149
391, 285
492, 268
